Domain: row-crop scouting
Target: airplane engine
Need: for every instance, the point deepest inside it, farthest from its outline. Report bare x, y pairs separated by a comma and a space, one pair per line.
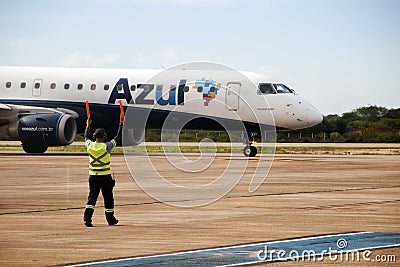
39, 131
133, 137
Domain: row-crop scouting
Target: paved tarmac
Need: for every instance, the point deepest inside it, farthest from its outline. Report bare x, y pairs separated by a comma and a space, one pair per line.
356, 246
42, 199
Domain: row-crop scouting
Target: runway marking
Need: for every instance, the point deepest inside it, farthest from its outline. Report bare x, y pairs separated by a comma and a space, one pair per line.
325, 245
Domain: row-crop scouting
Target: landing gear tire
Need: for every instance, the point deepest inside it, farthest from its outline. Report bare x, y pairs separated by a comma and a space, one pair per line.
250, 151
34, 149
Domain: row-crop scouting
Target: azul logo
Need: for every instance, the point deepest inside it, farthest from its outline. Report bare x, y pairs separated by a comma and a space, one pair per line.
144, 95
175, 96
209, 89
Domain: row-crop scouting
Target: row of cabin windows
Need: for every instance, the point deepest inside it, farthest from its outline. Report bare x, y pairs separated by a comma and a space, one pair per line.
263, 88
67, 86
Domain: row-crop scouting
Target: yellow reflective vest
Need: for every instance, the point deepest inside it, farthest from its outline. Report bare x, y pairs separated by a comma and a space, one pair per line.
99, 157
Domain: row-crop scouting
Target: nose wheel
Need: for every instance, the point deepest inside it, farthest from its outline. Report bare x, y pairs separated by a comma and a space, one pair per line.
250, 151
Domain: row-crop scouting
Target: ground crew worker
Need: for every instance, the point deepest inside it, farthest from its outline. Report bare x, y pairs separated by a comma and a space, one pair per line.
99, 172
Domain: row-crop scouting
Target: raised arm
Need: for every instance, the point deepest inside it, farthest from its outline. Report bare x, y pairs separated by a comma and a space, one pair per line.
88, 134
118, 137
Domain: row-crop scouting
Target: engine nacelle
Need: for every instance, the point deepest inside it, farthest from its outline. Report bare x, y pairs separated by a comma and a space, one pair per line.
39, 131
133, 137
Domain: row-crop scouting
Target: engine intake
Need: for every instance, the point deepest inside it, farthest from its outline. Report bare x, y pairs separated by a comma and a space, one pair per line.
47, 129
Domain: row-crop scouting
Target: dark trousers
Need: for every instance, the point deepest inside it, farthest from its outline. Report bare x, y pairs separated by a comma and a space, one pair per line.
104, 183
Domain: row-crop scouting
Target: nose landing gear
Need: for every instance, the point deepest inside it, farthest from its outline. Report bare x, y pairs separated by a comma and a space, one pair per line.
249, 150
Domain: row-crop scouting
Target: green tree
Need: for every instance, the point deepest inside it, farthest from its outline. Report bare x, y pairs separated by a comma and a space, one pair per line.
336, 137
371, 113
393, 113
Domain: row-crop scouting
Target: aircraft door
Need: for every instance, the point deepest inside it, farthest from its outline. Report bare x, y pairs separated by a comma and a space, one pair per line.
232, 95
36, 87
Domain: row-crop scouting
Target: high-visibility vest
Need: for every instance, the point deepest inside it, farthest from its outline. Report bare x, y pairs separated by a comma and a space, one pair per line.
99, 159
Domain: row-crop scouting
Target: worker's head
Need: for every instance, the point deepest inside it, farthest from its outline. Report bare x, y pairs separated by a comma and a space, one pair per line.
100, 134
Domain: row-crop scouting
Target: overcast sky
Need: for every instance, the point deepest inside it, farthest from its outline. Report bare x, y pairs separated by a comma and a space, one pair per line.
337, 54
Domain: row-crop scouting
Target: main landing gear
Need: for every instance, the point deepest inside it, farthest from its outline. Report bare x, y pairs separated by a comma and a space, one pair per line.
249, 150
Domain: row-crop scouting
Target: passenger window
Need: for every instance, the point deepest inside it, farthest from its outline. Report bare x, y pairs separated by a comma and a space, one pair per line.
106, 87
119, 88
80, 86
23, 85
8, 84
66, 86
93, 86
186, 89
266, 89
37, 85
133, 87
53, 86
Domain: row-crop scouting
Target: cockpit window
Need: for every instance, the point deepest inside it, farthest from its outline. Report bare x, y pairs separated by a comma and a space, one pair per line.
282, 89
266, 88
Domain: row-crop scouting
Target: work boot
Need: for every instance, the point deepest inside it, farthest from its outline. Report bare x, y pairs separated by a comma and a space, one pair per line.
113, 222
110, 218
87, 216
88, 224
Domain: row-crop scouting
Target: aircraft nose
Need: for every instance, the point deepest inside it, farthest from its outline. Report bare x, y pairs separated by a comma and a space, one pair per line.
314, 117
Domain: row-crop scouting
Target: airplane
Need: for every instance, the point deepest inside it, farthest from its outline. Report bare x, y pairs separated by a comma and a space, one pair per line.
45, 106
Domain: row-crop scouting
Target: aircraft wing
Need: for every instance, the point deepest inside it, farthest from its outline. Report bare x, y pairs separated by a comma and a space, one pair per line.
38, 127
12, 110
4, 106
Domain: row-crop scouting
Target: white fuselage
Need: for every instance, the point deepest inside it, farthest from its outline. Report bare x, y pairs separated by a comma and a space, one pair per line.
235, 95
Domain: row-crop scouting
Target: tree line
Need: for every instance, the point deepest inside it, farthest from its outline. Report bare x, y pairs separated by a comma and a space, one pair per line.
370, 124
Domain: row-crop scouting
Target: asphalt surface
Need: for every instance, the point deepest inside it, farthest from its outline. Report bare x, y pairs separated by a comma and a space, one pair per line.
42, 199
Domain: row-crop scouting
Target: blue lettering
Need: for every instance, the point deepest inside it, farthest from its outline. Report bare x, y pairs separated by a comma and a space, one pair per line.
181, 92
171, 95
141, 98
121, 91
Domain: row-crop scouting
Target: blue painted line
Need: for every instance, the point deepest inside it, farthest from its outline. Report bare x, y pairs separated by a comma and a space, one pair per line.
264, 251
